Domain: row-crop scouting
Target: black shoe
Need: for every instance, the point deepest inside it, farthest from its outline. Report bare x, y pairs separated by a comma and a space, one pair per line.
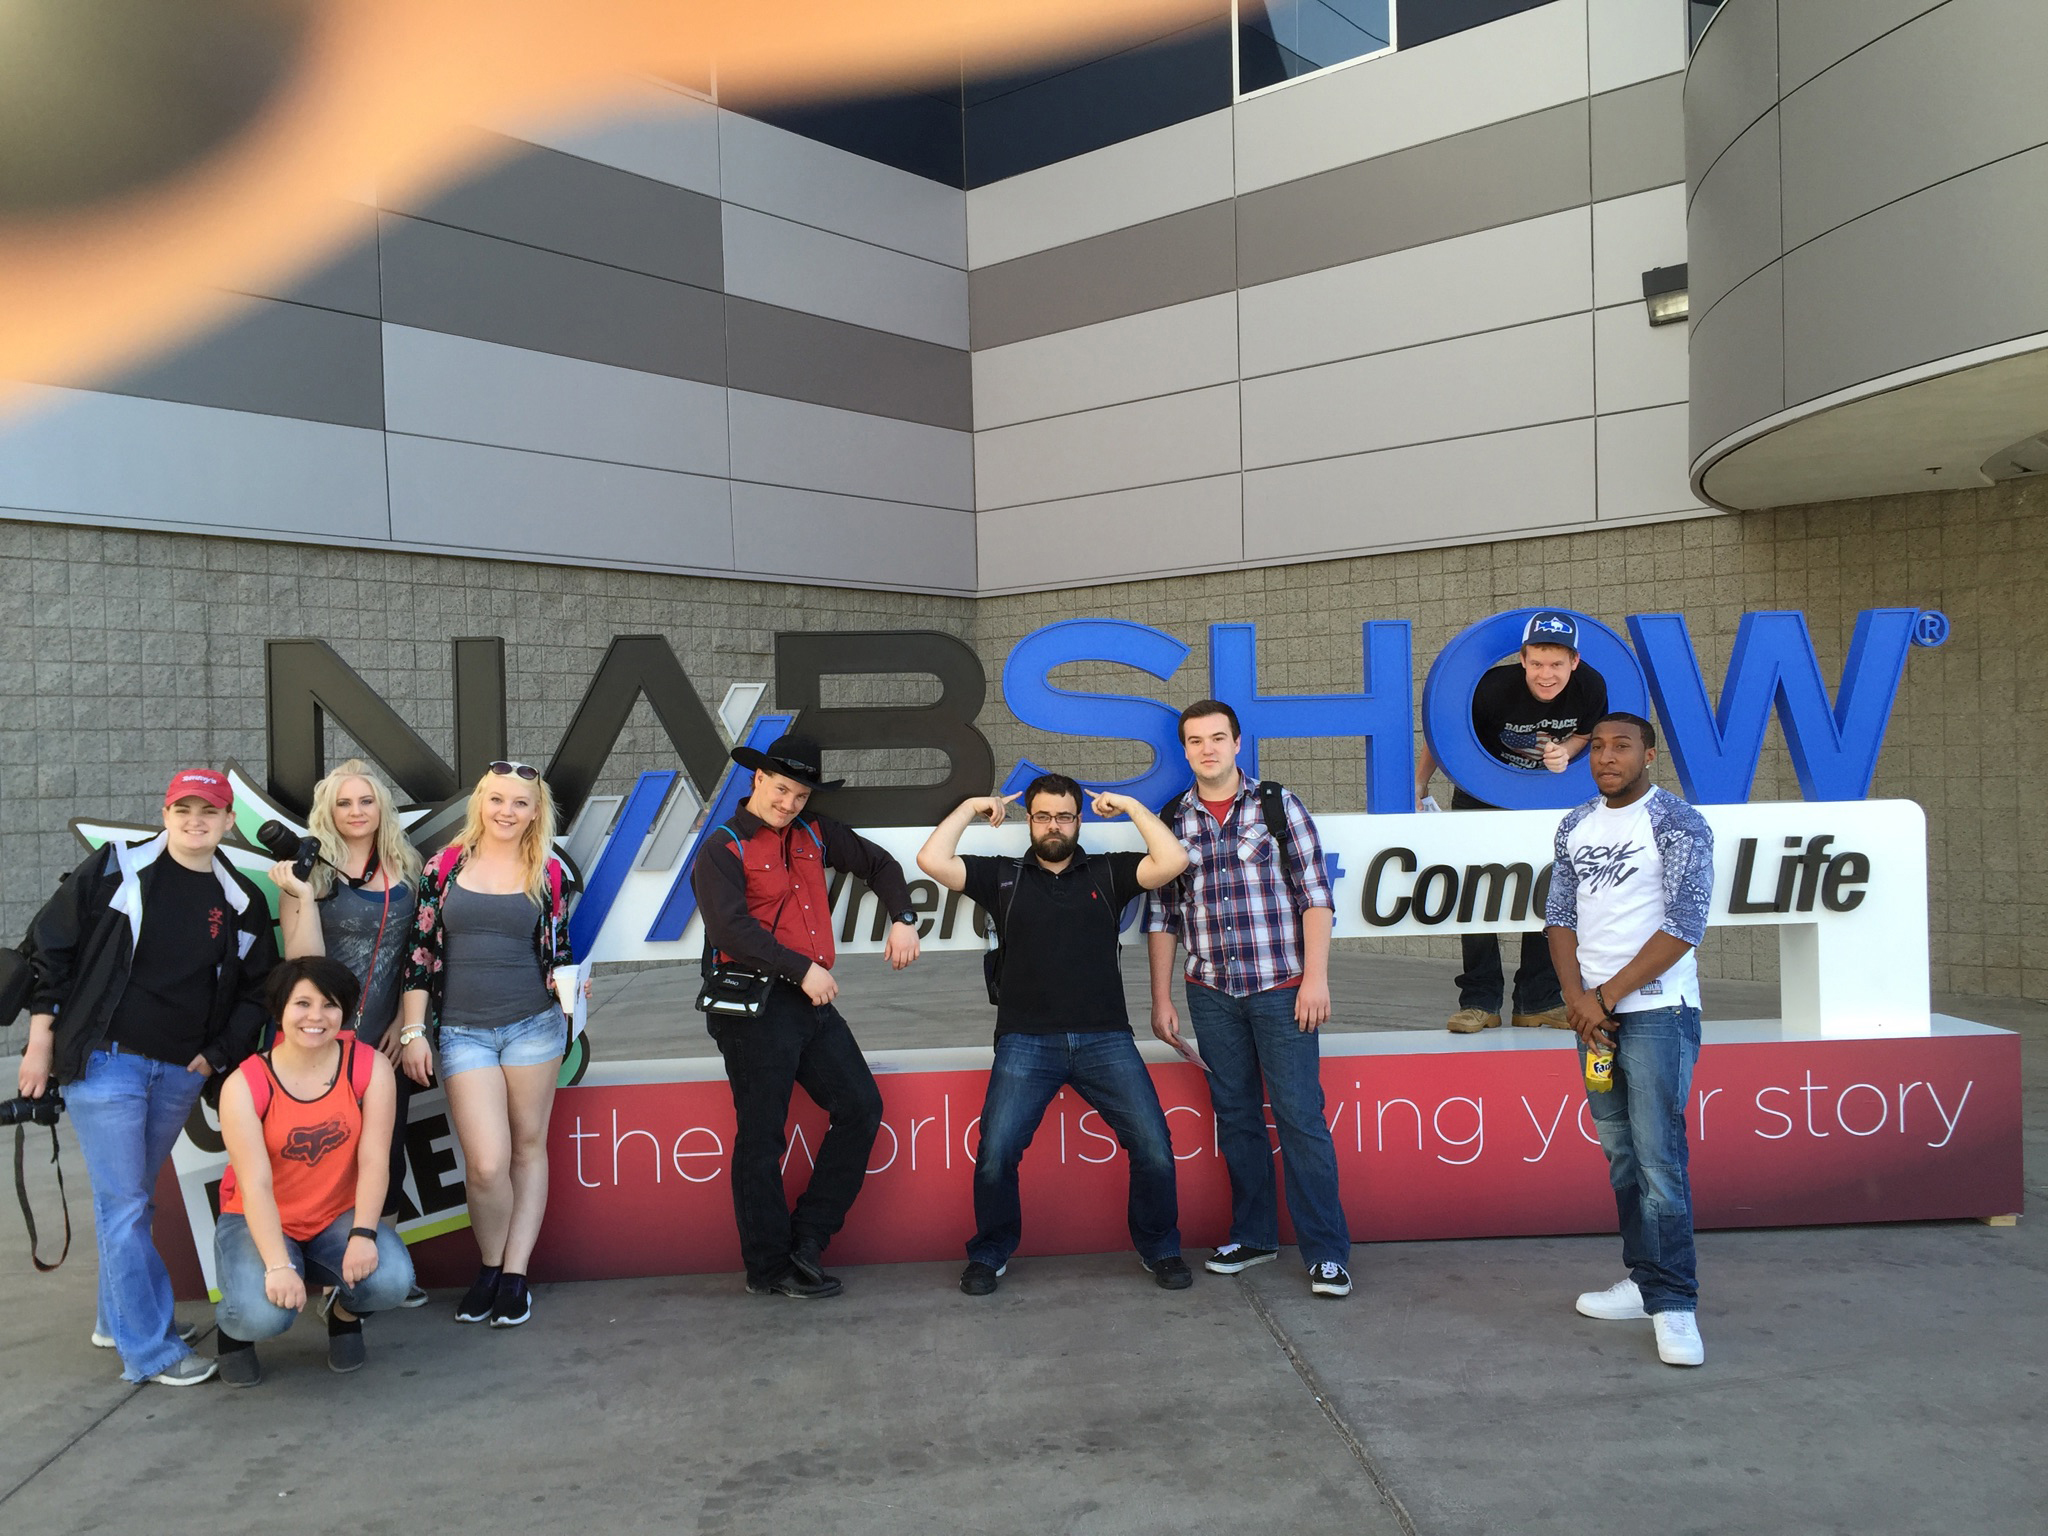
513, 1306
239, 1367
1171, 1272
979, 1279
1235, 1258
794, 1286
345, 1351
806, 1260
479, 1300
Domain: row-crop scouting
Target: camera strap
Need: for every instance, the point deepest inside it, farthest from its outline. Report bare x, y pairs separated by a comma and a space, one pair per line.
28, 1217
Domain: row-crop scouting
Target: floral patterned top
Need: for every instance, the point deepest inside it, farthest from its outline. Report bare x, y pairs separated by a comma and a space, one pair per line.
423, 965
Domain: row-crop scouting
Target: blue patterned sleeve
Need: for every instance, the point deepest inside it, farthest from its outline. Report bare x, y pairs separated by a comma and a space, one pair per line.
1561, 910
1311, 871
1686, 845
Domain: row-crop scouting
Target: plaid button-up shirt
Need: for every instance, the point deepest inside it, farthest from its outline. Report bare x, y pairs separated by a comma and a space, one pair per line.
1238, 914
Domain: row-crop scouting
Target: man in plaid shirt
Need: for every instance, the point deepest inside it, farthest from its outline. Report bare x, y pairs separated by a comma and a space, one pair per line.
1256, 921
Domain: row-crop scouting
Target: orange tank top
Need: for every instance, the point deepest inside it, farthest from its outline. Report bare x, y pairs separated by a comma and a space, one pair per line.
312, 1143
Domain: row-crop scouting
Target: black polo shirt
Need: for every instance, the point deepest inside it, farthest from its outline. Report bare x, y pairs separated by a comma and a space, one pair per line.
1061, 974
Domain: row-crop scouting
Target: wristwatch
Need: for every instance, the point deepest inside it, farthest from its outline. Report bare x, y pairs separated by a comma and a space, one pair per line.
907, 916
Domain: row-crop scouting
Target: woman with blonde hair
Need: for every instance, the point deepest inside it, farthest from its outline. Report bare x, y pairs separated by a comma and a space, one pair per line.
487, 938
355, 906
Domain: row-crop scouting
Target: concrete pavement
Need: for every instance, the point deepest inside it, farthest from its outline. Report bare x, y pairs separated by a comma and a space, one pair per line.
1858, 1379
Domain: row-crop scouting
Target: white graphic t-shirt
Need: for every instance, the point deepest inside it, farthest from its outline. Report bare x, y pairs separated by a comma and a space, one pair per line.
1623, 875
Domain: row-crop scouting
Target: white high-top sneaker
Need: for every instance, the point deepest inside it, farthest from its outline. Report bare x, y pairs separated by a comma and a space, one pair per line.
1678, 1339
1620, 1301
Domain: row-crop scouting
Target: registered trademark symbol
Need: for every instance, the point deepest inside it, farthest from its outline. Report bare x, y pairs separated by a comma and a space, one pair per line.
1931, 628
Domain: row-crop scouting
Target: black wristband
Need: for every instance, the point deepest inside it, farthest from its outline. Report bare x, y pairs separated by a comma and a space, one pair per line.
369, 1232
1599, 998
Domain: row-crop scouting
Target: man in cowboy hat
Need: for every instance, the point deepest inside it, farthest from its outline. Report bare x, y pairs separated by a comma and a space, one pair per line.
760, 884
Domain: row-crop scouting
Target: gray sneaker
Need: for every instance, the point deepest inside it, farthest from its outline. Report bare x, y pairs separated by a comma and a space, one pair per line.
188, 1372
240, 1367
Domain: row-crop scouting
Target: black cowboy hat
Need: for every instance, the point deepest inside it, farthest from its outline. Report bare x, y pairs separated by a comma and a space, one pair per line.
794, 757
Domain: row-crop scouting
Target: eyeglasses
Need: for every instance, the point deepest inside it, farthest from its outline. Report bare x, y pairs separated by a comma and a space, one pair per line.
518, 769
1054, 819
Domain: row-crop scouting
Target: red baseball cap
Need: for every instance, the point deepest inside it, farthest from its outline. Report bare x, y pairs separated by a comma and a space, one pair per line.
202, 784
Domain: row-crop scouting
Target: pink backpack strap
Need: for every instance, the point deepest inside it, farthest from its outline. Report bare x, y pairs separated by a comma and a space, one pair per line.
259, 1084
361, 1064
446, 860
554, 884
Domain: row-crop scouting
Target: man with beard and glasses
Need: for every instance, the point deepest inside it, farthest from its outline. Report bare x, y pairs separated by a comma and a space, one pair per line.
1061, 1018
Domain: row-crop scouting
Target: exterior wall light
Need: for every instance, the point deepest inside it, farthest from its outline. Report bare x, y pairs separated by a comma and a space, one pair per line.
1664, 294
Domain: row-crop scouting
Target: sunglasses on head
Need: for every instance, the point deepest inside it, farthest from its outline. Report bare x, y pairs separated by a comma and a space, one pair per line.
518, 769
791, 768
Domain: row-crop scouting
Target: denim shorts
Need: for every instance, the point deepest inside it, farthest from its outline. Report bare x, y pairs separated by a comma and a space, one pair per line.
528, 1042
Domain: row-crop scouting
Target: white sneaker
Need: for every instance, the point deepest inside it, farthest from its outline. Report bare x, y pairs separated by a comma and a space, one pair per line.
1620, 1301
1678, 1339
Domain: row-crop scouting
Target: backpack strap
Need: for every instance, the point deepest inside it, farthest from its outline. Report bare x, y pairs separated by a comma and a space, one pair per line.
361, 1064
1273, 806
445, 862
260, 1086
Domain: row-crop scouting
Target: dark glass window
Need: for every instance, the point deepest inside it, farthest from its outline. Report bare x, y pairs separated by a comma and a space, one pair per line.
1281, 39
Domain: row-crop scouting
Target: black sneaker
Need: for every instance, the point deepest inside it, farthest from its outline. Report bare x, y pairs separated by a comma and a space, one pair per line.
806, 1260
1328, 1279
794, 1286
1171, 1272
979, 1279
415, 1297
478, 1301
1235, 1258
513, 1306
239, 1367
345, 1351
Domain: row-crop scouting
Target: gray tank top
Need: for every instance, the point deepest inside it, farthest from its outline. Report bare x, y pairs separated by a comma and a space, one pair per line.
491, 974
348, 922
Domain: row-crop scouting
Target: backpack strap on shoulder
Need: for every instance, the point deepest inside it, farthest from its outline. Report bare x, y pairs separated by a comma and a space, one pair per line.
361, 1064
445, 862
1273, 806
259, 1085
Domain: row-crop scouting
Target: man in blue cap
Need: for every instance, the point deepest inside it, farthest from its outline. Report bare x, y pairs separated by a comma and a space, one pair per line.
1534, 714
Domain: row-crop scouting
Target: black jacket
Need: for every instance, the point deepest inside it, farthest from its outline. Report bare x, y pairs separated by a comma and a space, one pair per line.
85, 942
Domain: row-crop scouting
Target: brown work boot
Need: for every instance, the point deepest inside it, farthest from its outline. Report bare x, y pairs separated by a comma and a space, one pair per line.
1469, 1021
1549, 1018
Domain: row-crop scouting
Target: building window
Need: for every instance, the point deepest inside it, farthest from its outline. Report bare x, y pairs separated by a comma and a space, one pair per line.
1281, 40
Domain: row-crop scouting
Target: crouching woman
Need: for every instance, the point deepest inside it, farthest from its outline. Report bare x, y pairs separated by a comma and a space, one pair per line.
308, 1130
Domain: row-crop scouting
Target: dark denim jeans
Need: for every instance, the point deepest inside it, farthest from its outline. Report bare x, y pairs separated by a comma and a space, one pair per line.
245, 1312
1641, 1122
792, 1043
1258, 1056
1481, 984
1105, 1069
128, 1111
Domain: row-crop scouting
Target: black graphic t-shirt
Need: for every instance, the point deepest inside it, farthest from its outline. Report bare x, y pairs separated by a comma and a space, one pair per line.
1513, 723
187, 925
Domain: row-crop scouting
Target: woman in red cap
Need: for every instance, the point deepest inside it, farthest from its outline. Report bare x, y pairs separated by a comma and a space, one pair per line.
149, 965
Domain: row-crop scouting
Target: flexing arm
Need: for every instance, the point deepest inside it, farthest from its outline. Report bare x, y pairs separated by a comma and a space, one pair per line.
1165, 858
940, 855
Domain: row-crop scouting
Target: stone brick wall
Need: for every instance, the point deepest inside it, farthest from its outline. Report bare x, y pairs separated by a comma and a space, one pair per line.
123, 656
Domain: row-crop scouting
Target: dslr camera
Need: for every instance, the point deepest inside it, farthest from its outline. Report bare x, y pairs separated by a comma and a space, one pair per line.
27, 1111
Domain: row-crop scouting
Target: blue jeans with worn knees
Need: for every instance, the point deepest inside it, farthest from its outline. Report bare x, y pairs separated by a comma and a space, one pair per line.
246, 1313
1105, 1069
1641, 1122
128, 1111
1258, 1055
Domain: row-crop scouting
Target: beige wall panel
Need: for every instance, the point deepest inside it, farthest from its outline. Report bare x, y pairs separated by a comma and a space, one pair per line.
1636, 363
1733, 226
1942, 95
1630, 236
1817, 33
1499, 174
1487, 383
782, 532
1642, 463
1160, 352
1639, 137
778, 261
1172, 260
1480, 282
1141, 532
821, 448
1488, 74
798, 178
1631, 40
1147, 442
1184, 166
1469, 488
1731, 82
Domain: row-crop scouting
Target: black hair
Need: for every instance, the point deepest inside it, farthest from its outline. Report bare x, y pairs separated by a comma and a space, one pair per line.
333, 980
1649, 731
1052, 784
1204, 707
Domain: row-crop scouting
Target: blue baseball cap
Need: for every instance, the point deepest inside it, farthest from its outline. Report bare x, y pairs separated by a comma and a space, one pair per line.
1549, 627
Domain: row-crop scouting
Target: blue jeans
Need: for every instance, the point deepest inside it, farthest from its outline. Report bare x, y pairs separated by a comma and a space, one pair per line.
1257, 1054
1104, 1068
128, 1111
1641, 1122
246, 1313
